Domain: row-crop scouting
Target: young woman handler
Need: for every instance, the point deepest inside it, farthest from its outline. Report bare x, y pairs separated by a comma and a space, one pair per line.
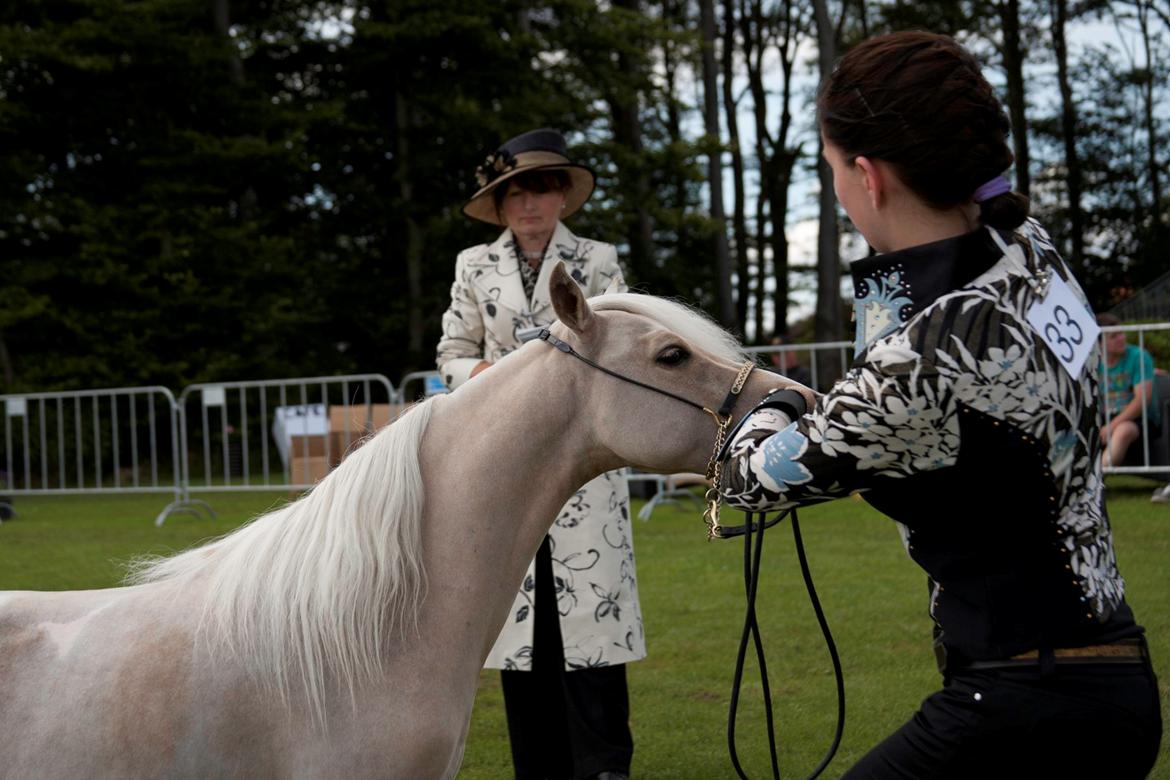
970, 416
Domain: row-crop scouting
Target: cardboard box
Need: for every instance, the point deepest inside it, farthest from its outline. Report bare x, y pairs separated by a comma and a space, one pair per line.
312, 446
300, 430
307, 471
349, 425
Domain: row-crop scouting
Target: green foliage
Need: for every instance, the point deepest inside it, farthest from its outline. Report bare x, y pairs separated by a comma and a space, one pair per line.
183, 204
198, 190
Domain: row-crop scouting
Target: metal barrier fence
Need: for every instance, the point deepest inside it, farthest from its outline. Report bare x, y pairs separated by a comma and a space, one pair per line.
286, 434
121, 439
826, 361
275, 434
430, 383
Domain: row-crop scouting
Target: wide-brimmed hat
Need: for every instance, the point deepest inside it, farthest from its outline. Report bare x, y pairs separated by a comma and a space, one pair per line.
536, 150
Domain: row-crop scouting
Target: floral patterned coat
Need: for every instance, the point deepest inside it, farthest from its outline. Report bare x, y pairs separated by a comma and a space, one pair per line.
592, 544
960, 422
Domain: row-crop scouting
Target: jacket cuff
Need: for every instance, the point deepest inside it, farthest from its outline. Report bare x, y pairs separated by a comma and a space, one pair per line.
458, 370
784, 407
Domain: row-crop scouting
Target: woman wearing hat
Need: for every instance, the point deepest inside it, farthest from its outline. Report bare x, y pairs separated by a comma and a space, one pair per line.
576, 620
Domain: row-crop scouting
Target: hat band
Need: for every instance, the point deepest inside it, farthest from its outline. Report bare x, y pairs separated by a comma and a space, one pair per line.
497, 163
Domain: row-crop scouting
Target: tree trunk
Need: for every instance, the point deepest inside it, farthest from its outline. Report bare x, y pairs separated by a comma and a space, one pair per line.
783, 162
414, 233
6, 371
738, 219
828, 324
1154, 171
1068, 125
221, 20
677, 14
627, 131
778, 209
753, 44
715, 164
1013, 65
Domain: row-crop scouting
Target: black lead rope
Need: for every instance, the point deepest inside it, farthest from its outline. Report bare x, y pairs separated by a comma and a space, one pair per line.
751, 556
751, 629
829, 644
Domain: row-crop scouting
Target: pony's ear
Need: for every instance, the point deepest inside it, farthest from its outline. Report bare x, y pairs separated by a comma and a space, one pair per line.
568, 301
614, 286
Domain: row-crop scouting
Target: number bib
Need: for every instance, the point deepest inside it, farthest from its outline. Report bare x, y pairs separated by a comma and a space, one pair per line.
1065, 325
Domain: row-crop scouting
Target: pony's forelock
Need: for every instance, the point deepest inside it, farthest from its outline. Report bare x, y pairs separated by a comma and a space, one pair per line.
690, 323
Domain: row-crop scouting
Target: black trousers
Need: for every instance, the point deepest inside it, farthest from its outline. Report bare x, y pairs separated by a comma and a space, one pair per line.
1078, 721
564, 725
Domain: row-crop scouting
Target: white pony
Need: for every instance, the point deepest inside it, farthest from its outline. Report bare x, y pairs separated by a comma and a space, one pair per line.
343, 634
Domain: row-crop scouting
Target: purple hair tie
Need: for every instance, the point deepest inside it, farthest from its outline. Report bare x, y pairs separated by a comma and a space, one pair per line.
997, 186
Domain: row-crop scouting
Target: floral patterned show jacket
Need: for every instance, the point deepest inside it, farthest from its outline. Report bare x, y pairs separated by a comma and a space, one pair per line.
592, 546
959, 422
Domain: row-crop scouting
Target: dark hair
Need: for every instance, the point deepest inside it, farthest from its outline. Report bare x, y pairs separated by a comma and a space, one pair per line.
1106, 319
540, 181
919, 102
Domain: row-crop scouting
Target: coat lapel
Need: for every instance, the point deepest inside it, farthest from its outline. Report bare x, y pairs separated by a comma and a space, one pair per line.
500, 280
563, 246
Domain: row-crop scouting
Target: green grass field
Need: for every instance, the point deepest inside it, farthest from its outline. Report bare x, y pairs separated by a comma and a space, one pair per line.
692, 601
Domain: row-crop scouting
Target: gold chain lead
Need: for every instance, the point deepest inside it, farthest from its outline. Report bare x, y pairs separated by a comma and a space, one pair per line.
714, 466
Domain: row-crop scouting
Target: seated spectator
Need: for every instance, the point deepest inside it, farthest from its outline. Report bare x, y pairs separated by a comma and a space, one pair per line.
1129, 379
785, 363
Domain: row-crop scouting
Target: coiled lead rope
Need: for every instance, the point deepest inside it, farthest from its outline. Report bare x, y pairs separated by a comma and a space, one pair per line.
751, 629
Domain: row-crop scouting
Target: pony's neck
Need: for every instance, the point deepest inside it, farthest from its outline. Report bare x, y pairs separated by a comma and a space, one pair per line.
500, 458
519, 435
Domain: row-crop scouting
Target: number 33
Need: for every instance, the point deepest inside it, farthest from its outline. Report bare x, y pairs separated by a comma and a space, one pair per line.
1055, 336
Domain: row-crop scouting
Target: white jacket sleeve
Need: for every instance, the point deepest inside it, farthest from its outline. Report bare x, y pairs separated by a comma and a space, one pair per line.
461, 346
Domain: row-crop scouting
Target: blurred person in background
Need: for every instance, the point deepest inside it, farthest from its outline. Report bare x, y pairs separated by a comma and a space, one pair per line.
786, 362
1131, 403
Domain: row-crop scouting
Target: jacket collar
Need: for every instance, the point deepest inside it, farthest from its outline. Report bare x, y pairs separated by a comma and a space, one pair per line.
889, 289
510, 285
562, 246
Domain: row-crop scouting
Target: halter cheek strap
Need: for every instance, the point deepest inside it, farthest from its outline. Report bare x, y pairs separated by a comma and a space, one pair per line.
545, 335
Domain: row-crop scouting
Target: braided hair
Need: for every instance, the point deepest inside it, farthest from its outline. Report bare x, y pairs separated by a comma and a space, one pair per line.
919, 102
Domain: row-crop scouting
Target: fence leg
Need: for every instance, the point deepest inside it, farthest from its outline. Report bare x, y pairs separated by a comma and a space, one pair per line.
192, 506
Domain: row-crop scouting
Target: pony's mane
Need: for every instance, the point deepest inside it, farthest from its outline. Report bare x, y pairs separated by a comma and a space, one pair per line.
314, 590
688, 322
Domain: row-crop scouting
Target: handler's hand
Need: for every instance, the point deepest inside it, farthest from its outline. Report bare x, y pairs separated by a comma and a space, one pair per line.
480, 366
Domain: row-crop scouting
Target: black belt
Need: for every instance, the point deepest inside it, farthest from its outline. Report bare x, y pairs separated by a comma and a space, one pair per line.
1123, 651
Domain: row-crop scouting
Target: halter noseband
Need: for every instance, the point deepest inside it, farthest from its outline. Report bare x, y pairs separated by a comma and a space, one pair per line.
722, 420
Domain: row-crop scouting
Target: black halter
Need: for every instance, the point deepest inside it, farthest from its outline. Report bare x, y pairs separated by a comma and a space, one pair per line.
724, 409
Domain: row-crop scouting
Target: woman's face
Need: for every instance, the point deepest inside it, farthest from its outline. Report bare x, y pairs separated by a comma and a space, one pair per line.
531, 213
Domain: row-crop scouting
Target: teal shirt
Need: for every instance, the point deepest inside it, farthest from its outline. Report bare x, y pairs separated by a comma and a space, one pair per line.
1134, 367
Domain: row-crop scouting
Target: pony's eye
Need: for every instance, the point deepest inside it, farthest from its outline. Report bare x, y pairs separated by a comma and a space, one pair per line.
673, 356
